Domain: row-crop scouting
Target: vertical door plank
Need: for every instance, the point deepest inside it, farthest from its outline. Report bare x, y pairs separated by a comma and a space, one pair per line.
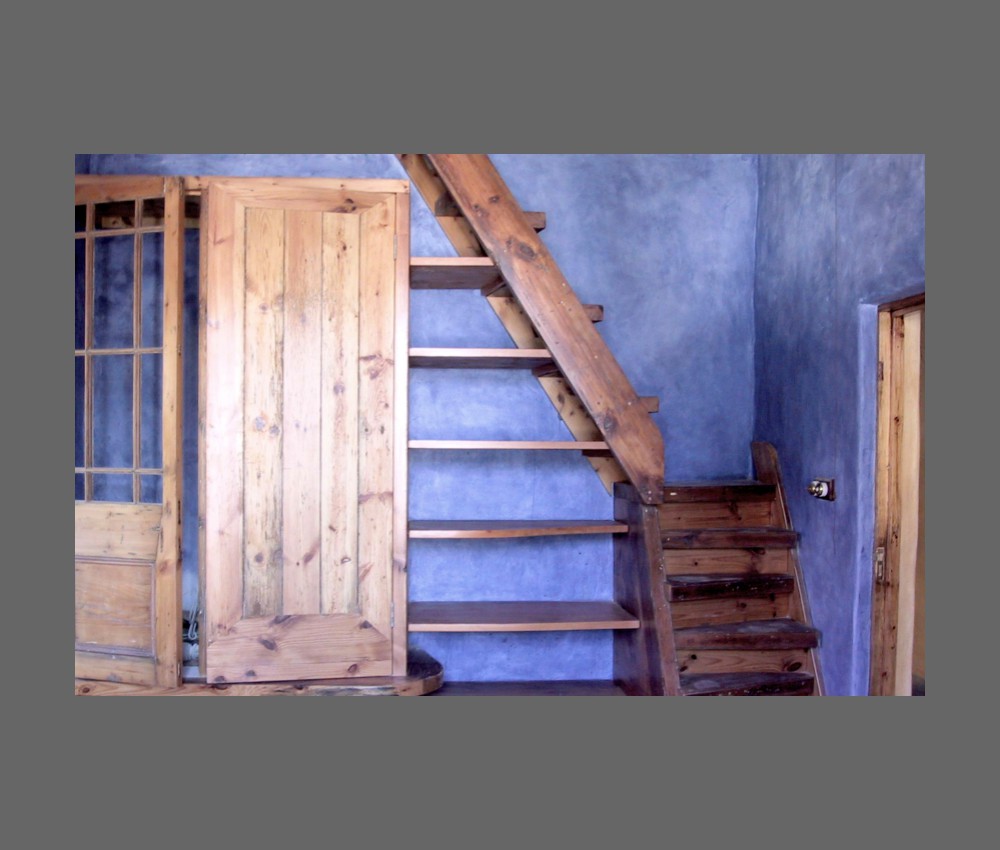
301, 413
339, 440
896, 373
222, 379
909, 498
263, 375
375, 395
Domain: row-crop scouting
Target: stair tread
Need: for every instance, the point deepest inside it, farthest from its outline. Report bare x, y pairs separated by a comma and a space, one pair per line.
539, 688
736, 537
502, 528
727, 585
480, 358
447, 208
453, 272
588, 446
502, 292
779, 633
518, 616
718, 491
746, 684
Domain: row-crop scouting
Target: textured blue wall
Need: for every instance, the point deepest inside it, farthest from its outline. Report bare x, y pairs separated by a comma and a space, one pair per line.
666, 244
836, 236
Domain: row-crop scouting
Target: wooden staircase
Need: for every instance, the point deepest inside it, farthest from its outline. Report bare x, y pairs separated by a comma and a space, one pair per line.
501, 254
707, 600
721, 566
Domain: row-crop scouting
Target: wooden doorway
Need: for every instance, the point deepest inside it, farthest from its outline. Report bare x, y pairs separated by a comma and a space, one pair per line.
898, 615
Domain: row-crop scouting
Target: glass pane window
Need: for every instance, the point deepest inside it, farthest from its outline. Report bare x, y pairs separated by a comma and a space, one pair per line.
112, 410
114, 291
152, 290
112, 488
150, 488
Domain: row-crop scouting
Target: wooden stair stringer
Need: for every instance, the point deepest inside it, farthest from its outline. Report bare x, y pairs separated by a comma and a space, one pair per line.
557, 314
513, 318
546, 308
768, 471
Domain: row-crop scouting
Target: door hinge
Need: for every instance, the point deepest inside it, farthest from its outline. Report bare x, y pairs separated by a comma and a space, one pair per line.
881, 371
880, 564
392, 615
395, 246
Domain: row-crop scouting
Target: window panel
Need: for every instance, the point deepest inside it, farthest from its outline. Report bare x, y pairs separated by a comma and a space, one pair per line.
114, 215
151, 425
150, 489
81, 218
152, 290
81, 292
152, 212
81, 390
112, 488
114, 294
112, 410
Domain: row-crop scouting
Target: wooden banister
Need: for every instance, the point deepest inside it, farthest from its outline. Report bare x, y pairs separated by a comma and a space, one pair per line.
507, 236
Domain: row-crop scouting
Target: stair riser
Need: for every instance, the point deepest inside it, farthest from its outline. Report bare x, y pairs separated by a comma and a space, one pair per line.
728, 538
706, 612
735, 492
701, 561
715, 515
749, 587
737, 661
769, 692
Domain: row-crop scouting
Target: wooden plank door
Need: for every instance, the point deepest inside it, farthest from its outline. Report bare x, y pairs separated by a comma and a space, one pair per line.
304, 428
897, 650
129, 290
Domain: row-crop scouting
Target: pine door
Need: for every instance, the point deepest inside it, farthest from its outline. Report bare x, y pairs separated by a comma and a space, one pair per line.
304, 432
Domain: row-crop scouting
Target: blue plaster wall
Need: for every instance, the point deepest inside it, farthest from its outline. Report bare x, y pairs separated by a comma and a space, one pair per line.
836, 236
666, 244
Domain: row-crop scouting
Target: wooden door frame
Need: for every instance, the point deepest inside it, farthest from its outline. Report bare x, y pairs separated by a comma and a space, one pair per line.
897, 494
